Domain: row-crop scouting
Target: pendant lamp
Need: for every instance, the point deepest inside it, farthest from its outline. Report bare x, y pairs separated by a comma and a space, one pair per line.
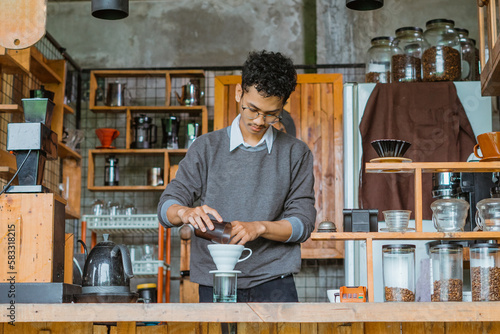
110, 9
364, 4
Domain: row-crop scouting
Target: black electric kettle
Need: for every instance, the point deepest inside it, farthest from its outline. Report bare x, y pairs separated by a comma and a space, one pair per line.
106, 274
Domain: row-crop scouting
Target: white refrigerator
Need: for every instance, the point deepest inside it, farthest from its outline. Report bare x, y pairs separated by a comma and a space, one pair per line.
479, 112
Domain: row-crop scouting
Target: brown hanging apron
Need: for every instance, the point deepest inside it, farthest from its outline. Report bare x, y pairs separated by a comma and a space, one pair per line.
431, 117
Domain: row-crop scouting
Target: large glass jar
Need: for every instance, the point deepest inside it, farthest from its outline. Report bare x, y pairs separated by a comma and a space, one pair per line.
398, 262
447, 272
488, 214
469, 64
485, 272
449, 214
407, 49
378, 60
441, 60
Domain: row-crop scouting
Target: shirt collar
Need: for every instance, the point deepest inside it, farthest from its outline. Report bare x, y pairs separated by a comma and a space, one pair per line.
237, 137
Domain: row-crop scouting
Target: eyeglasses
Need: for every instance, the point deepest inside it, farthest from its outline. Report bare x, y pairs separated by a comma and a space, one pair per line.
269, 119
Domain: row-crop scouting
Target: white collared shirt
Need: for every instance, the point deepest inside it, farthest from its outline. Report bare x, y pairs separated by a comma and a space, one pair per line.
237, 137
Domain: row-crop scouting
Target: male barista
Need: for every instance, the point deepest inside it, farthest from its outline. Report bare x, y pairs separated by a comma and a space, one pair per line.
254, 176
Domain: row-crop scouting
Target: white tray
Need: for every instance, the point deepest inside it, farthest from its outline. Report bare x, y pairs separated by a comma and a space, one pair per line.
122, 224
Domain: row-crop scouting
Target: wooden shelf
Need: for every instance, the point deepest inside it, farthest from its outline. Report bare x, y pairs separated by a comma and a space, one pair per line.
149, 109
136, 151
11, 61
40, 67
432, 167
70, 214
68, 109
126, 188
6, 173
11, 109
404, 235
64, 151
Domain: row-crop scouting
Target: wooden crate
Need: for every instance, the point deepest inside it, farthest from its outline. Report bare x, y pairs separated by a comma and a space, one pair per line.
32, 230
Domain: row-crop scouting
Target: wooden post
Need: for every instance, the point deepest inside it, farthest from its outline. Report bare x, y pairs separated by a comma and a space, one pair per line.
418, 199
369, 271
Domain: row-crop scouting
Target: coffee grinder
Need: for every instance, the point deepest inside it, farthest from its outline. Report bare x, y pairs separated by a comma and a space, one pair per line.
471, 187
33, 142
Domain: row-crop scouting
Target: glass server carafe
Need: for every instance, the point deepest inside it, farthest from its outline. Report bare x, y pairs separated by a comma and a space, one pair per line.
441, 60
488, 214
378, 60
469, 65
447, 272
144, 132
398, 262
485, 272
407, 49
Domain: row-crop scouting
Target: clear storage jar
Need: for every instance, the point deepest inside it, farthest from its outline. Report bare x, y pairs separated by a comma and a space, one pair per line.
398, 262
485, 272
407, 49
447, 273
378, 60
441, 60
469, 64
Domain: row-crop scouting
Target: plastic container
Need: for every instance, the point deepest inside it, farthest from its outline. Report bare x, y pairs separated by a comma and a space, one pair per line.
469, 61
485, 272
407, 49
441, 60
398, 262
378, 60
447, 273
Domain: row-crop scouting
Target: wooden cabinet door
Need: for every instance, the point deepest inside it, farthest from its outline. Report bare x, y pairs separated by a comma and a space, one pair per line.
316, 107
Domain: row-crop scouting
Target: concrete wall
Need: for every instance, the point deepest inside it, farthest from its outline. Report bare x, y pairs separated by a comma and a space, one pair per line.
178, 33
344, 35
167, 33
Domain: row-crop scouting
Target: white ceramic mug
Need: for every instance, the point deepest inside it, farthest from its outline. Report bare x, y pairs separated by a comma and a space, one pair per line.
226, 256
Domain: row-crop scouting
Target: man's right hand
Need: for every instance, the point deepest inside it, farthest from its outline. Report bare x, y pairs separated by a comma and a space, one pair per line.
197, 216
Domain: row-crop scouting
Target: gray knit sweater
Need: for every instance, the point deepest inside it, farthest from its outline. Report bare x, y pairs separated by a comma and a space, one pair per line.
247, 184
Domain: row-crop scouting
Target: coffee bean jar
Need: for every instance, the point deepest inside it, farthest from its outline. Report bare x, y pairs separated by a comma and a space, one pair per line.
407, 49
485, 272
469, 64
398, 263
378, 60
447, 273
441, 60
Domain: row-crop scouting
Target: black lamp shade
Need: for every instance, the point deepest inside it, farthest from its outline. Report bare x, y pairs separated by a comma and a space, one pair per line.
110, 9
364, 4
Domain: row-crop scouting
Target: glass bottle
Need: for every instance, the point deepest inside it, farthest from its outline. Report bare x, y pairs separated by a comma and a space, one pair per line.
111, 175
378, 60
441, 60
478, 61
485, 272
447, 272
407, 49
99, 92
398, 262
469, 65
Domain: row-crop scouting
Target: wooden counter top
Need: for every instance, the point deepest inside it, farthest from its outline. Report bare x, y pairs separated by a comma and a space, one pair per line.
257, 312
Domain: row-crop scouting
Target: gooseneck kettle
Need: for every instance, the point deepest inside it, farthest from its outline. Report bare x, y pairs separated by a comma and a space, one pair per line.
108, 269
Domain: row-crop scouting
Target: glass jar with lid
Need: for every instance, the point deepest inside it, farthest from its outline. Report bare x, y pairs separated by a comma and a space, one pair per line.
407, 49
469, 65
485, 272
447, 272
378, 60
441, 60
398, 262
478, 61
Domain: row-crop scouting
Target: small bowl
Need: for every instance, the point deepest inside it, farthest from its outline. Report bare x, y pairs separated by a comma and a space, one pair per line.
397, 220
390, 147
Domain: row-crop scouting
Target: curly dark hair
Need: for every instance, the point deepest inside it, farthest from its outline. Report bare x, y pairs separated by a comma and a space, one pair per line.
271, 73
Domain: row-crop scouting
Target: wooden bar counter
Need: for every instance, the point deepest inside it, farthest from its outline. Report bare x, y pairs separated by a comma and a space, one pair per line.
452, 317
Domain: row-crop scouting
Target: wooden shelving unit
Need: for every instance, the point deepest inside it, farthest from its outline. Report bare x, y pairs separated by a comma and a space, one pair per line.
52, 74
489, 39
166, 167
417, 168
